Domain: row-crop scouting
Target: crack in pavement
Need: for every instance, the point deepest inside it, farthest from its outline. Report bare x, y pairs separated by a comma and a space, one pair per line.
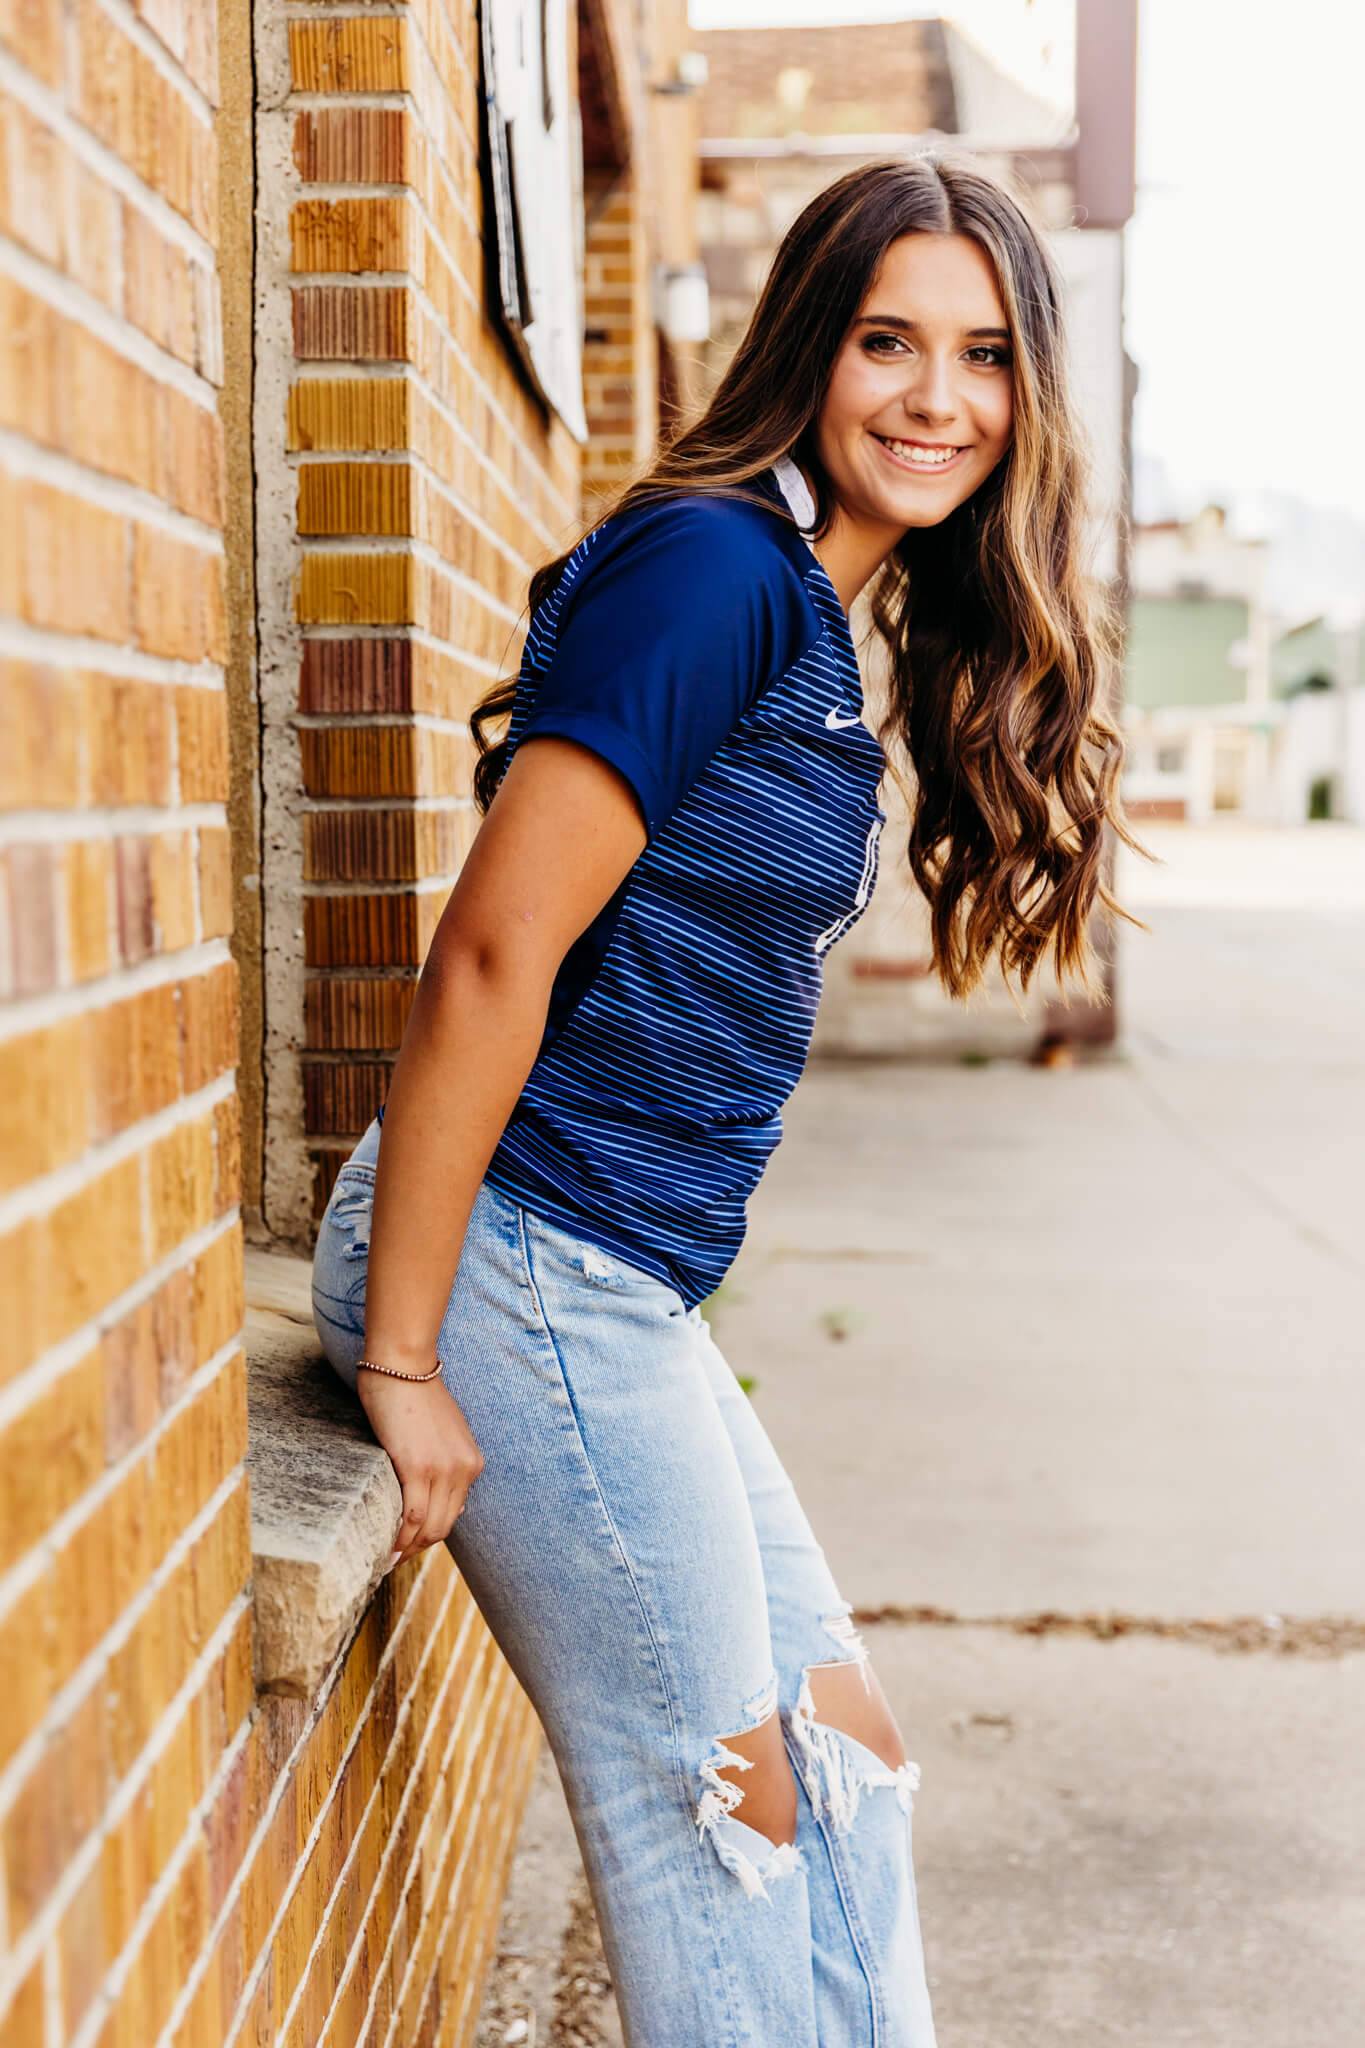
1287, 1635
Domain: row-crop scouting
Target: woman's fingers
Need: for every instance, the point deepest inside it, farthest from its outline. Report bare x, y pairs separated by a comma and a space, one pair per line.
416, 1501
434, 1456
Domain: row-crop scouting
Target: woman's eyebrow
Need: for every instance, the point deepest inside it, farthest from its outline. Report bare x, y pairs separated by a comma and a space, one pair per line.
909, 326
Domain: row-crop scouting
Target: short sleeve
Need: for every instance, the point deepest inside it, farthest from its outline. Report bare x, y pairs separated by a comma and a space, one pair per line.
680, 615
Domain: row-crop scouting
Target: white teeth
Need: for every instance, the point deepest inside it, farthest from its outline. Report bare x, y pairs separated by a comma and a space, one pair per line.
923, 458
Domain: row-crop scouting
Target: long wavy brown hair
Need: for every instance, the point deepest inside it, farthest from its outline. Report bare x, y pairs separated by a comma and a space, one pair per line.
1000, 649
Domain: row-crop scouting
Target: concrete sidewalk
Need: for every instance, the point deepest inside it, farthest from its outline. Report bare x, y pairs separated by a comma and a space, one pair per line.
1082, 1353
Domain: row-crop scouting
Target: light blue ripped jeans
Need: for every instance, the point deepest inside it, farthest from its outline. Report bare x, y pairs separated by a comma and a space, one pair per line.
641, 1558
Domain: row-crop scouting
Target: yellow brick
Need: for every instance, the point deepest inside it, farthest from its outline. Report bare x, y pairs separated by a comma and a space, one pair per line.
88, 871
170, 584
26, 2017
205, 2023
49, 1455
26, 1681
33, 203
128, 735
355, 497
227, 1133
350, 55
33, 31
55, 1809
101, 1567
45, 1294
202, 742
173, 890
174, 1793
357, 236
126, 1875
180, 1184
80, 1946
44, 1101
56, 530
344, 412
135, 1058
40, 730
208, 1013
215, 883
218, 1304
215, 609
195, 442
132, 1380
116, 413
93, 238
379, 590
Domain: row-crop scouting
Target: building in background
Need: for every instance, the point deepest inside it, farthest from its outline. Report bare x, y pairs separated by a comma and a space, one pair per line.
1229, 714
783, 112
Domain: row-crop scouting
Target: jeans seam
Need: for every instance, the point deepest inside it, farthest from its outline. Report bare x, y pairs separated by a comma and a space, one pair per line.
857, 1931
679, 1772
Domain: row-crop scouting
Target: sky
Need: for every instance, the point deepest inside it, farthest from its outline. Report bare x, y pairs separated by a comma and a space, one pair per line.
1246, 256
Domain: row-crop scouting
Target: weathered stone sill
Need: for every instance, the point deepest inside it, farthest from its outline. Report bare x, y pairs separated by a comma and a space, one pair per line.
325, 1504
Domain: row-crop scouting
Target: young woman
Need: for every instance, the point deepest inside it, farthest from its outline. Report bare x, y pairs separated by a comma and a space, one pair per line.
681, 821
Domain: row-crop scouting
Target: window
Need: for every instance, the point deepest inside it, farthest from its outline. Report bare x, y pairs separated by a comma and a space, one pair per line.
537, 178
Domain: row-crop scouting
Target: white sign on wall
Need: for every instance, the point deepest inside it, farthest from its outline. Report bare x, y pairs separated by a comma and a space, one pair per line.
537, 178
1091, 263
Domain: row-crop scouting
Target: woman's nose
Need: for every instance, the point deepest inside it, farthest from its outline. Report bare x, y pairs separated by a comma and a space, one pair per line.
929, 396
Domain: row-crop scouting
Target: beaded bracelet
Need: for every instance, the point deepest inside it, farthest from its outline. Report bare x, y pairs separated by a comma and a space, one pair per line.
391, 1372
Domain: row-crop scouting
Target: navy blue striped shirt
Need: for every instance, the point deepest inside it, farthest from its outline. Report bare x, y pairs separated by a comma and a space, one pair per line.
698, 647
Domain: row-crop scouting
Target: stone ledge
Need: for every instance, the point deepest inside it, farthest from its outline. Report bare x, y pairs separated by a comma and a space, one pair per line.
325, 1504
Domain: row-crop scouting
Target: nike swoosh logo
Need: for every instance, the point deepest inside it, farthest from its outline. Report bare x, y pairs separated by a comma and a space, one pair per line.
836, 724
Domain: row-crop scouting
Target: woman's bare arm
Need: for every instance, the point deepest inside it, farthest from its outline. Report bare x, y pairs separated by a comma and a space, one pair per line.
559, 838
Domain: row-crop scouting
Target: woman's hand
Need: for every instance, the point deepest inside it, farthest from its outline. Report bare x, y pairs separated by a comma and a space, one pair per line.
423, 1429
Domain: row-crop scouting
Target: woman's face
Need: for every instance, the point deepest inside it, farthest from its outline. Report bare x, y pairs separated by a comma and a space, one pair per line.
920, 404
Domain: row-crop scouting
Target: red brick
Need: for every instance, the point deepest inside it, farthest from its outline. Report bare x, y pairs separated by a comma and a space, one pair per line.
136, 912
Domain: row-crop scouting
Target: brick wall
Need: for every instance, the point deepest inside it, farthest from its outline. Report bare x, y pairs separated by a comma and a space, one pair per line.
620, 364
411, 483
182, 1864
125, 1649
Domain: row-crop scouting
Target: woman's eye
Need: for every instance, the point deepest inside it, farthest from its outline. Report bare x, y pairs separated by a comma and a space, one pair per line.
989, 354
883, 344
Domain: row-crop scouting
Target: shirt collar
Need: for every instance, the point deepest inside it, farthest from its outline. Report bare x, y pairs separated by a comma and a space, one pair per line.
797, 492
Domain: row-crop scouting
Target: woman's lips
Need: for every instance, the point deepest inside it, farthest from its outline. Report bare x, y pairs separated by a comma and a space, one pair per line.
923, 458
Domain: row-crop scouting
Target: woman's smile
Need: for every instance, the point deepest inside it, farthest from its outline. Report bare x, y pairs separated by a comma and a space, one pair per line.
926, 456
